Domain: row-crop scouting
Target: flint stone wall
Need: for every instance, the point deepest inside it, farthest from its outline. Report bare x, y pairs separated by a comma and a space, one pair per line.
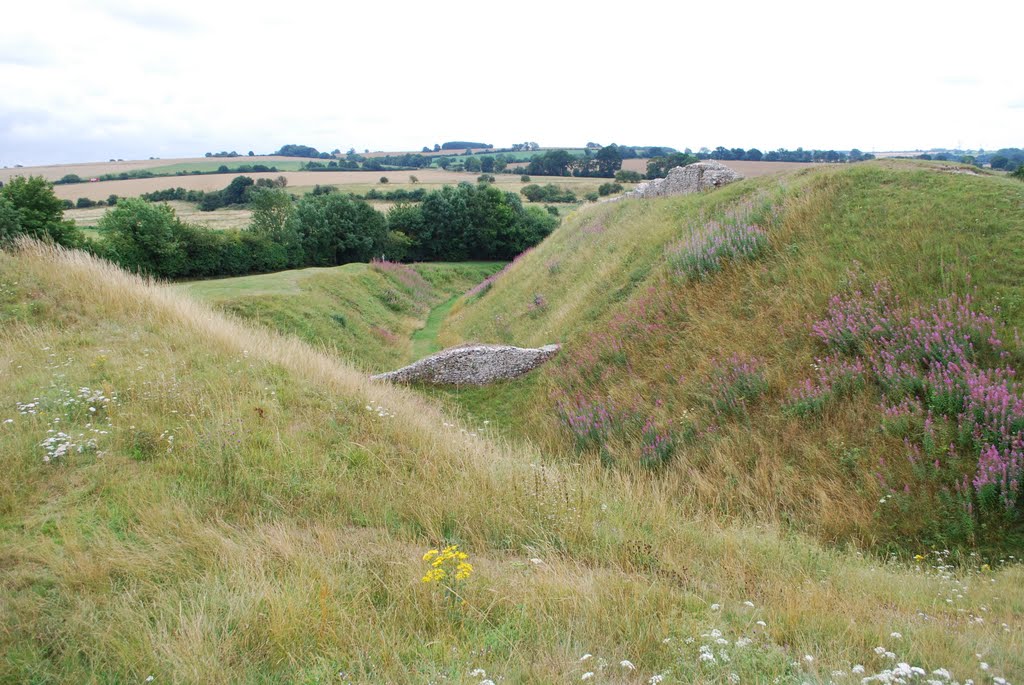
681, 180
472, 365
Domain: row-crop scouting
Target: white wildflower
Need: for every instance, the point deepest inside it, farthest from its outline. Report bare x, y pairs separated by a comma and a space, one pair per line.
748, 603
478, 673
587, 676
857, 669
628, 665
942, 673
897, 636
586, 656
734, 678
808, 658
655, 679
487, 681
983, 666
743, 642
999, 681
716, 607
879, 651
762, 624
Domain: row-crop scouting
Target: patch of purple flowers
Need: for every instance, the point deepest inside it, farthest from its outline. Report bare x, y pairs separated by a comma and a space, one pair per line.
941, 370
483, 286
734, 383
709, 246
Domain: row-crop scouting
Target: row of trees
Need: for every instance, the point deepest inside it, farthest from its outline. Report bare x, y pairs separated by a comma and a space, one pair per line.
454, 223
782, 155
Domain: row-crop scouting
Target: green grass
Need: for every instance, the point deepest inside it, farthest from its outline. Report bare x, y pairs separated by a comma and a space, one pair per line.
256, 510
367, 315
928, 233
424, 340
231, 163
278, 536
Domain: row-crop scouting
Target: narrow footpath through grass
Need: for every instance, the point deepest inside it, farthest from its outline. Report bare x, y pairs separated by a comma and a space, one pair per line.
424, 340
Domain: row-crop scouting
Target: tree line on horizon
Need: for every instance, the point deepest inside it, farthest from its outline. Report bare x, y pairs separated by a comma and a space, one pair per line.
455, 223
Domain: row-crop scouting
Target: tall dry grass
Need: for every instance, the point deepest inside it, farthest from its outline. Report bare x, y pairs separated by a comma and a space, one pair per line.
278, 539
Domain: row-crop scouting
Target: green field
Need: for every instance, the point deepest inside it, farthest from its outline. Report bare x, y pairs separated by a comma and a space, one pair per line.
191, 497
232, 163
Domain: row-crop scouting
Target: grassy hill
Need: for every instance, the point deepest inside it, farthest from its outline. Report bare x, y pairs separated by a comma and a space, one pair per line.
700, 374
367, 313
193, 498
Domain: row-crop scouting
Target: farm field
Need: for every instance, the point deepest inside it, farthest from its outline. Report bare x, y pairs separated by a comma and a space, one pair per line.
353, 181
225, 218
54, 172
748, 169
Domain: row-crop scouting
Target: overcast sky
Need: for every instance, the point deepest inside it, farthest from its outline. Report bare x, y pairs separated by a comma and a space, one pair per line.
92, 80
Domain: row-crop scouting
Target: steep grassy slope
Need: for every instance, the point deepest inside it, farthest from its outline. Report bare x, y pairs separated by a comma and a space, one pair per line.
365, 312
660, 365
220, 505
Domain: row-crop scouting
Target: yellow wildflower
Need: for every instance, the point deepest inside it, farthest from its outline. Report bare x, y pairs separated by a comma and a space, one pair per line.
918, 557
430, 555
434, 575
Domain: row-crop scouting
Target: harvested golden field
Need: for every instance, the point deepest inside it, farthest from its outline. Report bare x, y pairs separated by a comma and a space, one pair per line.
53, 172
356, 181
748, 169
220, 219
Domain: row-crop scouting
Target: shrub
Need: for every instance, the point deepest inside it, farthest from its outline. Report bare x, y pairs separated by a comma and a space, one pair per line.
547, 193
524, 179
384, 179
623, 176
609, 189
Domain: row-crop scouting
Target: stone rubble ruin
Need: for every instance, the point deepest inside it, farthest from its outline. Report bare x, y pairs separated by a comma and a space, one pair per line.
472, 365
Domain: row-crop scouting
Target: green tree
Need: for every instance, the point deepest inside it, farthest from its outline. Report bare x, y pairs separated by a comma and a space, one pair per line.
10, 222
40, 212
609, 160
272, 217
143, 237
407, 219
338, 229
236, 192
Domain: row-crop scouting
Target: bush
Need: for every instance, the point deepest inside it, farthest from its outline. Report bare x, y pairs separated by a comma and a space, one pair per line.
485, 178
524, 179
84, 203
384, 179
547, 193
623, 176
33, 210
592, 196
609, 189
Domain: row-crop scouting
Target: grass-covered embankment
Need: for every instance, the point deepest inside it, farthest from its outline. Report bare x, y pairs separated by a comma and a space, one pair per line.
198, 500
697, 372
368, 313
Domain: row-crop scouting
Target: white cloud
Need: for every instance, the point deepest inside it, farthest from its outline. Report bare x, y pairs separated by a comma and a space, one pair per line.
88, 80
